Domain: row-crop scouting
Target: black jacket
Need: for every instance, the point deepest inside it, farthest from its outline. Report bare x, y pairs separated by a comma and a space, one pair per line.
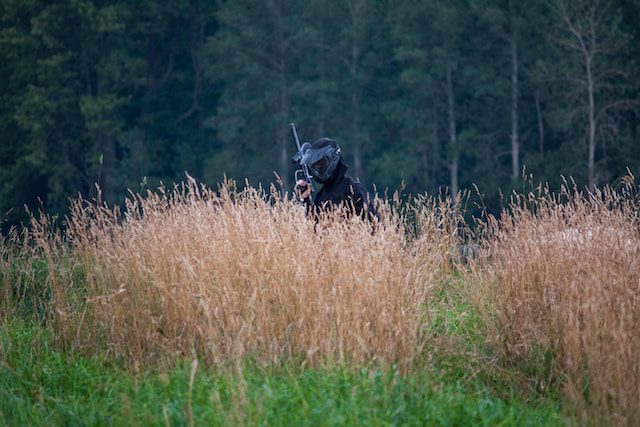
344, 192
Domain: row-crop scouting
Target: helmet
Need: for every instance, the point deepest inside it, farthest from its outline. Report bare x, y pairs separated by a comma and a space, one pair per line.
322, 158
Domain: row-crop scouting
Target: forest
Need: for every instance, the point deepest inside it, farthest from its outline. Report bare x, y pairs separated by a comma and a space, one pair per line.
155, 270
426, 96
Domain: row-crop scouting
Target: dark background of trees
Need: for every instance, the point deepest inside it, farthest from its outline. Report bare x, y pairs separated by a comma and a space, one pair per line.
435, 93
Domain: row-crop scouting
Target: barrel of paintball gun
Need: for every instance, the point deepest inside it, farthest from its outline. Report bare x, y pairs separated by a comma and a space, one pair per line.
305, 168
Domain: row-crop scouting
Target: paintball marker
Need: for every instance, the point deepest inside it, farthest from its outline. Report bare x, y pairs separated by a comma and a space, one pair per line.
302, 173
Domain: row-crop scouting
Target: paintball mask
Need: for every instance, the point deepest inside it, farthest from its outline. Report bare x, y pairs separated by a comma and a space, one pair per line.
322, 158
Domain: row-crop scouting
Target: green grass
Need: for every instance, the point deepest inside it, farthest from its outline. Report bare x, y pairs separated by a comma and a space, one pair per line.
41, 386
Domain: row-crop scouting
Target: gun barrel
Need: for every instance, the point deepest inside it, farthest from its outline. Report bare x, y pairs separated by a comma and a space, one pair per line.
294, 134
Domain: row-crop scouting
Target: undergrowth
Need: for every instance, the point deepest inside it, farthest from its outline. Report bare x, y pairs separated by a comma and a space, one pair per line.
42, 386
544, 312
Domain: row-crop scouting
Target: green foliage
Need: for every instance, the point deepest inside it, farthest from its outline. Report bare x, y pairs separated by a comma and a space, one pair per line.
209, 88
41, 386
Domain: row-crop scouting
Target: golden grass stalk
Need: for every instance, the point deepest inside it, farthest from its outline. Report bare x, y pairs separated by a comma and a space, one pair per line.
559, 284
232, 274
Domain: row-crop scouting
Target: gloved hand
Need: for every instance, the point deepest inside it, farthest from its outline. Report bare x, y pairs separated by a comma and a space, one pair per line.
303, 189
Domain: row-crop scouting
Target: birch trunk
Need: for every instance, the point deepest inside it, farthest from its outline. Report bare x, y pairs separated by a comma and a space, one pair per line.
282, 134
592, 125
540, 124
453, 137
355, 95
515, 143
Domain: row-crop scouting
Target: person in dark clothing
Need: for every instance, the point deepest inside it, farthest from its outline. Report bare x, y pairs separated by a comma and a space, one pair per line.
339, 190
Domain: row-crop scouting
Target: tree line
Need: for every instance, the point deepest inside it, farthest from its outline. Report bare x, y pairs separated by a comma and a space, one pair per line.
428, 93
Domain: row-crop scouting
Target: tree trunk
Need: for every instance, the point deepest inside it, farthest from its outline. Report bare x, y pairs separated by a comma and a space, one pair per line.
355, 134
515, 143
540, 124
283, 112
435, 158
107, 143
355, 111
592, 126
197, 41
424, 165
284, 158
586, 30
282, 134
453, 138
322, 117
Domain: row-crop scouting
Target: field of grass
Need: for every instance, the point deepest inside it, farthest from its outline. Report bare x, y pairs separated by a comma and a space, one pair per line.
194, 306
42, 386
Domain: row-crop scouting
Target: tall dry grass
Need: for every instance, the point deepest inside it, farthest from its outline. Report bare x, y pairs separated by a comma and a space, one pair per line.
231, 274
559, 285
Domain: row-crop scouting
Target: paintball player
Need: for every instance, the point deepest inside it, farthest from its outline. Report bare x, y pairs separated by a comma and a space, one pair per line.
326, 166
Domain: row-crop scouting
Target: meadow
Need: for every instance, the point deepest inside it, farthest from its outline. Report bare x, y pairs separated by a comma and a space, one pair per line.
197, 306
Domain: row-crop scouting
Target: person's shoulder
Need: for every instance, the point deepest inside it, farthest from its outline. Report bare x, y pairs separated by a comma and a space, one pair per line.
356, 186
349, 180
